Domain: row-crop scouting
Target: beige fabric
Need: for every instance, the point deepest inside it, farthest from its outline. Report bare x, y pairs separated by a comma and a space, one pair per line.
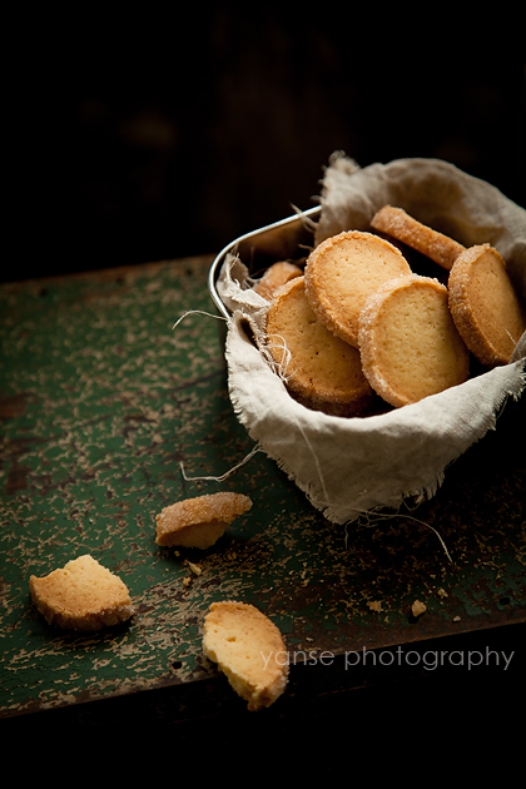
347, 467
436, 193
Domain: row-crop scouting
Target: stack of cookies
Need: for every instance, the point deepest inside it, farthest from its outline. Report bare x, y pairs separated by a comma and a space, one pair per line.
358, 324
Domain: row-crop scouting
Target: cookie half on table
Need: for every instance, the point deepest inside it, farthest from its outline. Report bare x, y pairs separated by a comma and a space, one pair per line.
249, 648
320, 370
83, 595
485, 307
409, 345
200, 521
343, 271
399, 225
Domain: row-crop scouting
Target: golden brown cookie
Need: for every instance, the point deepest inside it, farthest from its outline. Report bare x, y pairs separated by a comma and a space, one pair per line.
82, 595
199, 522
398, 224
275, 276
320, 370
484, 305
342, 272
409, 345
249, 649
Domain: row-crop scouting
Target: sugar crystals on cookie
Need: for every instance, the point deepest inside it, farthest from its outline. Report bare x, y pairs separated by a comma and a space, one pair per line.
485, 306
399, 225
409, 345
343, 271
200, 521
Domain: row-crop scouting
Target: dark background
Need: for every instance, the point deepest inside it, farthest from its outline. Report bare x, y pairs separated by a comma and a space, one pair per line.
174, 136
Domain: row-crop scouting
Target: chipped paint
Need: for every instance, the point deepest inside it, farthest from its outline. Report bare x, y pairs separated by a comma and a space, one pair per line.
100, 402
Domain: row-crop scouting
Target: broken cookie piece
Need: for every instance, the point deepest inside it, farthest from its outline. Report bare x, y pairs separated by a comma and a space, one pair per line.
201, 521
249, 649
82, 595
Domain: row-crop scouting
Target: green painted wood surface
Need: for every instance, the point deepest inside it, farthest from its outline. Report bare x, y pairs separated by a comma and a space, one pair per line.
101, 400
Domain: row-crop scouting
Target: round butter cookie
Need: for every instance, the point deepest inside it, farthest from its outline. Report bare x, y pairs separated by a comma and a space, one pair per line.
485, 306
398, 224
343, 271
409, 345
320, 370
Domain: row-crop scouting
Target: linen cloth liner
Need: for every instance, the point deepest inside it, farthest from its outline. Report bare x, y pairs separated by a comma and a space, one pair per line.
348, 467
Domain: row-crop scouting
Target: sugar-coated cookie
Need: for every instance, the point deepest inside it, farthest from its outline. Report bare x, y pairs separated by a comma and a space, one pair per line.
320, 370
199, 522
398, 224
409, 345
343, 271
484, 305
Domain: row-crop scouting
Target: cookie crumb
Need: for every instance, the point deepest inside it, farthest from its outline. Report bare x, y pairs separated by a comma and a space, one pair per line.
418, 608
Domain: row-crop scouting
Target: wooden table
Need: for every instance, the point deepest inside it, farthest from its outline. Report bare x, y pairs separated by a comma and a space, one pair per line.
101, 401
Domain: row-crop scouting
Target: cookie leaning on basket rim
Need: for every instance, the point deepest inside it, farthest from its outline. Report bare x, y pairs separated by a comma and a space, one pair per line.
319, 369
